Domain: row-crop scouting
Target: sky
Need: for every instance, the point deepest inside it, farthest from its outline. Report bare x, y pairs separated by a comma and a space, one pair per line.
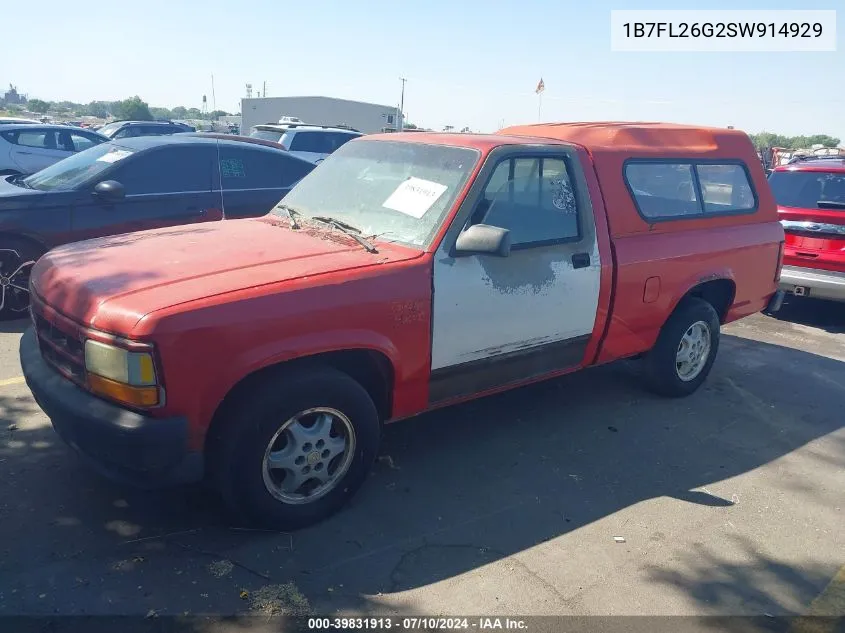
467, 62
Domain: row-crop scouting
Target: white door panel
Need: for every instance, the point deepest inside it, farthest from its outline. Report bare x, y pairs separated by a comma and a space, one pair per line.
497, 319
486, 305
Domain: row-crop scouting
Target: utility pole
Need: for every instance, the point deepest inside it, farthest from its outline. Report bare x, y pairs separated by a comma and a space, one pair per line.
401, 123
264, 91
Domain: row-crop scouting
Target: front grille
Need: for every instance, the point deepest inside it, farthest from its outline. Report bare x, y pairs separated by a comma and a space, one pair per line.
61, 348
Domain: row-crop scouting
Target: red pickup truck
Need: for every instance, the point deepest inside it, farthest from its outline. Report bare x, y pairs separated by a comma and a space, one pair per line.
407, 272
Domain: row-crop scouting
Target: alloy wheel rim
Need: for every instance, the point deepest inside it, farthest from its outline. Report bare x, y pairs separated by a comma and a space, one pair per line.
14, 281
693, 351
308, 456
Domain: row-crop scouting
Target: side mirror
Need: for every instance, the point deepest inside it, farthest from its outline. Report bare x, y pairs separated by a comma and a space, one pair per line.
109, 191
485, 239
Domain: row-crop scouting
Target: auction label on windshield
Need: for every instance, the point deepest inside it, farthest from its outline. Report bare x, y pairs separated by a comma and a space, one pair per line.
723, 31
415, 196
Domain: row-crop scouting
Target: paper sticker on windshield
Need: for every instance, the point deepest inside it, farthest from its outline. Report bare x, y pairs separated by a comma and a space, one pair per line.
113, 157
415, 196
232, 168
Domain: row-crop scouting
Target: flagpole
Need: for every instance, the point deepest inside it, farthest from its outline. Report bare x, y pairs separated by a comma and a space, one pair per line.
539, 107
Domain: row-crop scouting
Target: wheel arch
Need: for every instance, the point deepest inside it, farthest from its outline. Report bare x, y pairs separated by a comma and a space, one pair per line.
717, 290
371, 368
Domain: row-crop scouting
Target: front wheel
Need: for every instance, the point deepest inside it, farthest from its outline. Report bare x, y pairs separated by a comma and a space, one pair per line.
297, 448
681, 359
16, 261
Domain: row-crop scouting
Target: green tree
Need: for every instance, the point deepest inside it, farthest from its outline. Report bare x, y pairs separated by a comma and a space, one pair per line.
99, 109
37, 105
179, 112
765, 140
194, 113
161, 113
133, 108
216, 114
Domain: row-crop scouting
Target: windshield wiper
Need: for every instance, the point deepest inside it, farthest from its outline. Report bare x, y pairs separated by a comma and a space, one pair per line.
19, 181
352, 231
292, 213
830, 203
337, 223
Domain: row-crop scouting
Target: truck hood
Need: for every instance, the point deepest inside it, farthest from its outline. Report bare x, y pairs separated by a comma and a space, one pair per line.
112, 283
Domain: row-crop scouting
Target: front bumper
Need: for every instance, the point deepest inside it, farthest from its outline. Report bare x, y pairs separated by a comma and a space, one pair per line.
123, 445
812, 282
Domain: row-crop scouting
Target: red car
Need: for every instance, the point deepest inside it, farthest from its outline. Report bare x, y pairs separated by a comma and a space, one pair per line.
406, 273
810, 194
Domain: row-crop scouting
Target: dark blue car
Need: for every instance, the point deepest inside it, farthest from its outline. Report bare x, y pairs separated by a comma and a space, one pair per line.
130, 185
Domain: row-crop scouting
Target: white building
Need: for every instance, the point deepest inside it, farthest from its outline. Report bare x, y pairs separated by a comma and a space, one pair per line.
364, 117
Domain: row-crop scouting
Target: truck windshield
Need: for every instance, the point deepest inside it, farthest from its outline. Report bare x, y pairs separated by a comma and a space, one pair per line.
393, 190
809, 189
75, 170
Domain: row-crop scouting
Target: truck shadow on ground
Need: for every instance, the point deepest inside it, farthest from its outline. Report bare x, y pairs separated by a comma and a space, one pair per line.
452, 491
827, 315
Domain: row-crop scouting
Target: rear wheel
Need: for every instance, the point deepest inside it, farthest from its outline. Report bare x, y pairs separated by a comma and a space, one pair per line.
293, 451
681, 359
17, 258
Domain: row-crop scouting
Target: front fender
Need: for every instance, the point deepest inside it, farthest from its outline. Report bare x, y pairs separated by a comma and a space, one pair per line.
292, 348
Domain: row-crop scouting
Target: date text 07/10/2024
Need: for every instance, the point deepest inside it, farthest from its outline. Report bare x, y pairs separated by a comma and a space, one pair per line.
417, 623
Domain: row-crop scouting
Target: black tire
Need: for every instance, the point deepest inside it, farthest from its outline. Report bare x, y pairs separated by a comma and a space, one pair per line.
662, 373
249, 426
17, 257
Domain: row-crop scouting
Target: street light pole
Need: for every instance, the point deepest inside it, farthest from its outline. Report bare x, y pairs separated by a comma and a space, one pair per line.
401, 123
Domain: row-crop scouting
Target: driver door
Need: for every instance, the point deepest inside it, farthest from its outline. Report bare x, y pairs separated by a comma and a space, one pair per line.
500, 320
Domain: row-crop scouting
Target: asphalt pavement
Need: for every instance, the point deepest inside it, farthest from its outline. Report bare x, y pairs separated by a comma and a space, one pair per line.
583, 495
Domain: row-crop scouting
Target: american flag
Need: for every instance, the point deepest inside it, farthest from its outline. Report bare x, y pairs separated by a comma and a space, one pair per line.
540, 86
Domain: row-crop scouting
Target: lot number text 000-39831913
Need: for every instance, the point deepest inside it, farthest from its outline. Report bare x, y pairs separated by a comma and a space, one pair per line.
723, 31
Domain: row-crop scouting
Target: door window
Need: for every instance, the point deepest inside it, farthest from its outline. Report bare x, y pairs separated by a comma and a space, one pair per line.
534, 199
316, 142
81, 142
168, 169
254, 168
40, 139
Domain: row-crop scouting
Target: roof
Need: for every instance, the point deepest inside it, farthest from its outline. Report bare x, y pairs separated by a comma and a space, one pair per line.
285, 127
234, 137
147, 142
319, 98
483, 142
17, 127
832, 164
150, 122
638, 137
622, 138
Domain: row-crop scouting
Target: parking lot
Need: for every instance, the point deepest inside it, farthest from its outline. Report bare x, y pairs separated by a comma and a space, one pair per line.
583, 495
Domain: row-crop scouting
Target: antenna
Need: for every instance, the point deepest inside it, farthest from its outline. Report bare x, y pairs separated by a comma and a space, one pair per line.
220, 179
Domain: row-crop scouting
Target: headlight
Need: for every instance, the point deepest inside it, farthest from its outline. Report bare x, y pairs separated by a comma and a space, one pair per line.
122, 375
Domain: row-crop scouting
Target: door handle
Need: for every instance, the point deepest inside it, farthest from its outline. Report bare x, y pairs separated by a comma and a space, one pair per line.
580, 260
